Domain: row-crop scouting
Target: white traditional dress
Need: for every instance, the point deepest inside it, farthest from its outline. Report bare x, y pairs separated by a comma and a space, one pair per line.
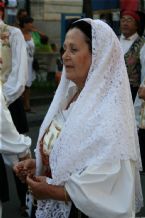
13, 77
96, 155
14, 71
11, 142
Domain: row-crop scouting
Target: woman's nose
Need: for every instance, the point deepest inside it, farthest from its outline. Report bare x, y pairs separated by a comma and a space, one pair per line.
66, 55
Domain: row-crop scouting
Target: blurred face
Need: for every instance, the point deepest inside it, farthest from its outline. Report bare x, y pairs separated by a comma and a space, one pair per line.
23, 14
77, 57
28, 26
128, 26
1, 14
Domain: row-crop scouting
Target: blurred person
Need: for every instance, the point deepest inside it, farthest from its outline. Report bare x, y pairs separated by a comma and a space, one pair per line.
14, 74
139, 105
39, 37
141, 91
20, 14
87, 155
11, 142
59, 63
26, 26
133, 46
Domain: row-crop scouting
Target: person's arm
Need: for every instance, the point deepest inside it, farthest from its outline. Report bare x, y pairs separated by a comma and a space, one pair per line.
11, 142
41, 190
107, 190
95, 191
25, 168
38, 31
15, 84
142, 60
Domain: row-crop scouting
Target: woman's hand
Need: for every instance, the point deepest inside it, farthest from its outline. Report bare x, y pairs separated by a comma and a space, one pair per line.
141, 93
41, 190
38, 187
25, 168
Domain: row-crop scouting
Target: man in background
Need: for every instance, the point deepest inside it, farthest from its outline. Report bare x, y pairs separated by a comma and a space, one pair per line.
133, 46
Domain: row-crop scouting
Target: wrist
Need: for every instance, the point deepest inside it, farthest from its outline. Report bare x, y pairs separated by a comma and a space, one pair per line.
25, 155
58, 193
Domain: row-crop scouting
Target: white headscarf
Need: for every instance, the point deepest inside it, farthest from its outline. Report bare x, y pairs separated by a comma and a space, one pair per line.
101, 125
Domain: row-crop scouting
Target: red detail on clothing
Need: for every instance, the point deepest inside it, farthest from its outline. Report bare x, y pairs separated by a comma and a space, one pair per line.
48, 173
132, 14
132, 60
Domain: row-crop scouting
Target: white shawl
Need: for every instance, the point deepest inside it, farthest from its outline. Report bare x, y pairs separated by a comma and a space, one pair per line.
101, 125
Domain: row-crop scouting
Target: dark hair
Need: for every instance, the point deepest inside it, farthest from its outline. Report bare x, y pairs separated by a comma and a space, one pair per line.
142, 23
20, 12
25, 20
84, 27
44, 39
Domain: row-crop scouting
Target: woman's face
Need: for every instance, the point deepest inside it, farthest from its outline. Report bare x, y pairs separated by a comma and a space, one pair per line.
29, 26
77, 57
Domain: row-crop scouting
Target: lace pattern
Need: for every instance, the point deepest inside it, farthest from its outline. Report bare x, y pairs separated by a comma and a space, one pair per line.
52, 209
101, 127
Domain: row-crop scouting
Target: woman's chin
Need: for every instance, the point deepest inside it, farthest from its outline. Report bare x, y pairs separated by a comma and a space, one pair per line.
68, 76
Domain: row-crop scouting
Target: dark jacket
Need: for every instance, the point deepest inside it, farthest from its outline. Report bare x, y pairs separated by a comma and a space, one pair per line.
4, 189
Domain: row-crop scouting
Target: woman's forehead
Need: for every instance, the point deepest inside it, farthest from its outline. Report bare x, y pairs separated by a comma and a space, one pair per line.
75, 35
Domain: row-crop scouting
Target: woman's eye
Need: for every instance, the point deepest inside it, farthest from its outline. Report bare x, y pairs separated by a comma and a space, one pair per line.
73, 50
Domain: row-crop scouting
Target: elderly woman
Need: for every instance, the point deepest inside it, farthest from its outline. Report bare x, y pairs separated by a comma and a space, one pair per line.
87, 147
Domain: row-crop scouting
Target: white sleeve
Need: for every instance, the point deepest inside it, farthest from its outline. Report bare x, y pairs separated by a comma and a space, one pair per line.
142, 60
15, 85
11, 142
104, 192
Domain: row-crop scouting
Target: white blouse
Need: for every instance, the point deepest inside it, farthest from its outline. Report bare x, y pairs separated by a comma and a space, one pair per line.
105, 192
11, 142
15, 84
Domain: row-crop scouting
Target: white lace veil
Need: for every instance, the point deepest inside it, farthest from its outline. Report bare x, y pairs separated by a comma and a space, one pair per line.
101, 126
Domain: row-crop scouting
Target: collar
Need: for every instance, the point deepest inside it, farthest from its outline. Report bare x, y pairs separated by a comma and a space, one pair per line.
131, 38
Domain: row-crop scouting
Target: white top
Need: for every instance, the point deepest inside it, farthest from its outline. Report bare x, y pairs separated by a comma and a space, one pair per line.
15, 84
127, 43
98, 192
30, 52
11, 142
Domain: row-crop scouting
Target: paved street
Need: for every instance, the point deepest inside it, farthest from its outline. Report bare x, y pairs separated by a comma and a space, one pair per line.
11, 208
